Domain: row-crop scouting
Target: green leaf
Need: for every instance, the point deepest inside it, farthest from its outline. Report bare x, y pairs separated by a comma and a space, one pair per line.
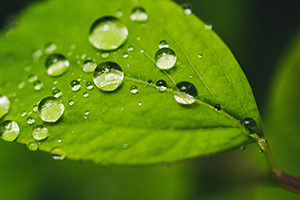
153, 125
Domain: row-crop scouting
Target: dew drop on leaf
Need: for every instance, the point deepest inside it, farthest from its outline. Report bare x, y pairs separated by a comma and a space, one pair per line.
30, 121
104, 55
161, 85
89, 85
139, 14
56, 65
186, 94
125, 145
85, 94
32, 146
163, 44
125, 55
130, 48
9, 130
75, 85
40, 133
187, 9
134, 89
32, 78
38, 85
108, 33
249, 124
89, 66
50, 48
56, 93
51, 109
37, 54
35, 108
4, 105
200, 55
71, 103
58, 154
108, 76
218, 107
165, 58
208, 26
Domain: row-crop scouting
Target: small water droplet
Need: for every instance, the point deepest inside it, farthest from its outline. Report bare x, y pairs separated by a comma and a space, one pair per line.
35, 108
85, 94
89, 66
40, 133
56, 65
125, 55
165, 58
30, 121
163, 44
187, 9
32, 146
71, 103
161, 85
119, 14
4, 105
75, 85
140, 104
59, 140
108, 76
23, 114
37, 54
250, 124
134, 89
9, 130
130, 48
218, 107
200, 55
58, 154
139, 14
138, 38
125, 145
142, 51
51, 109
186, 94
56, 93
50, 48
108, 33
32, 78
38, 85
89, 85
21, 85
104, 55
208, 26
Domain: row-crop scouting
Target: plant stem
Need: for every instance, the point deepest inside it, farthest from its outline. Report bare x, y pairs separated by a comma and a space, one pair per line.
290, 182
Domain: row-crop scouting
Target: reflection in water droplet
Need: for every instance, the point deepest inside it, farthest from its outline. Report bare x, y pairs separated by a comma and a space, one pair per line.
23, 114
89, 85
75, 85
56, 65
40, 133
51, 109
56, 93
186, 94
139, 14
32, 146
58, 154
30, 121
134, 89
50, 48
163, 44
9, 131
32, 78
165, 58
161, 85
108, 76
89, 66
71, 103
37, 85
108, 33
4, 105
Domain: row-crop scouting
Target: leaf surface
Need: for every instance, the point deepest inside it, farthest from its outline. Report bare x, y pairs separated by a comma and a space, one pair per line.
152, 126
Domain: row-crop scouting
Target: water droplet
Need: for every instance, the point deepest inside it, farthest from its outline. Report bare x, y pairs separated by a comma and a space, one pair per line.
163, 44
108, 33
37, 54
32, 78
58, 154
134, 89
104, 55
150, 81
140, 104
35, 108
85, 94
56, 93
4, 105
138, 38
142, 51
250, 124
139, 14
51, 109
165, 58
208, 26
243, 147
186, 94
218, 107
9, 131
59, 141
187, 9
23, 114
40, 133
108, 76
21, 85
89, 66
125, 55
32, 146
130, 48
161, 85
30, 121
71, 103
50, 48
75, 85
200, 55
125, 145
57, 65
38, 85
119, 13
89, 85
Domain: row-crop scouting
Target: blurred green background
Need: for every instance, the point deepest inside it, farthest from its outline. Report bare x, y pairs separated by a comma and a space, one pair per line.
258, 32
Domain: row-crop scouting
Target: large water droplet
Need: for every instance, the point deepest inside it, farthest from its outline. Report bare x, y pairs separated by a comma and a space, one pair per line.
57, 65
32, 146
139, 14
108, 33
75, 85
89, 66
165, 58
108, 76
40, 133
186, 94
58, 154
51, 109
4, 105
9, 130
250, 124
163, 44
